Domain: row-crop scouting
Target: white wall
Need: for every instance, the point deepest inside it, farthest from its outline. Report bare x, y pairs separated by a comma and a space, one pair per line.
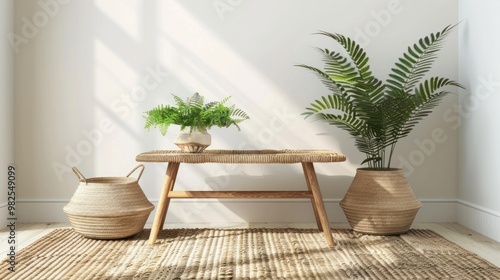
90, 70
6, 103
479, 137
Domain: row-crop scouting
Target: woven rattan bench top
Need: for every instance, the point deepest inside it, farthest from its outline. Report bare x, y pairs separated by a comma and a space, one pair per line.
242, 156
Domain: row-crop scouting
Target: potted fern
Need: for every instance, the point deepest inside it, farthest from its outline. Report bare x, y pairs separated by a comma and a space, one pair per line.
377, 115
195, 118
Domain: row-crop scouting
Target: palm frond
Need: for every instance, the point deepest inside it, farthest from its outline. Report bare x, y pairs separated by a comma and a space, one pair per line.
332, 85
427, 96
416, 62
356, 53
374, 113
365, 89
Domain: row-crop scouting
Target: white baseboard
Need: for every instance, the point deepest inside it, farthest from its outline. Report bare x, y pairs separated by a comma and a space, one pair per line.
473, 216
437, 211
478, 218
238, 210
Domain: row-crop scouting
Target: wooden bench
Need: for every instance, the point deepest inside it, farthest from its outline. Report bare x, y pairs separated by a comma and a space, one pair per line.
305, 157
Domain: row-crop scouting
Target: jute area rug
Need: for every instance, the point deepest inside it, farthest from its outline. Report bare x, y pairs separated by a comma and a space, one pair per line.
249, 254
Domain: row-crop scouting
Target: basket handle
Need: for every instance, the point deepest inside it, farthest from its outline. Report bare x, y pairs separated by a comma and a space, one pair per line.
79, 174
140, 173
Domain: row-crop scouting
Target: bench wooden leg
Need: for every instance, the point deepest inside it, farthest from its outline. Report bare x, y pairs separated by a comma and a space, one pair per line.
316, 215
312, 180
161, 212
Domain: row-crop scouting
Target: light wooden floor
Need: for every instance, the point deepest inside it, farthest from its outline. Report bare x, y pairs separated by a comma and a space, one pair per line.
27, 233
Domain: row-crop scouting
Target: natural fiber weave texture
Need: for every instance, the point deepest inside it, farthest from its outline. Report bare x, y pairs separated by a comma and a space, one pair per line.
249, 254
192, 147
242, 156
380, 202
108, 208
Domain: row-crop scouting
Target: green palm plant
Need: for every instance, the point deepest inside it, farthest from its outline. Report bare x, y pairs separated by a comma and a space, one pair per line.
374, 113
195, 114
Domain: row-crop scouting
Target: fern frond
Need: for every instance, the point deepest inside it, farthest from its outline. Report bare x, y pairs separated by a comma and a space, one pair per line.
193, 113
210, 105
195, 101
161, 117
178, 101
224, 100
235, 112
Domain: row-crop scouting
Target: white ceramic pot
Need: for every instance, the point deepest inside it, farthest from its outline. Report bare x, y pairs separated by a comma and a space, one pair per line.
194, 141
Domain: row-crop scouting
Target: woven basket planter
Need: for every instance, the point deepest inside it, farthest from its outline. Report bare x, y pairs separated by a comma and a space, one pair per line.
380, 202
108, 207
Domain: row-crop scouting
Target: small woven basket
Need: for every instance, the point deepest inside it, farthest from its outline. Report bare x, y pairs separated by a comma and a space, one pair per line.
108, 207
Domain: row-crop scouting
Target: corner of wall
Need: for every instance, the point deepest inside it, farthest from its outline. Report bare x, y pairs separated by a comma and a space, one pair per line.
478, 218
478, 190
6, 103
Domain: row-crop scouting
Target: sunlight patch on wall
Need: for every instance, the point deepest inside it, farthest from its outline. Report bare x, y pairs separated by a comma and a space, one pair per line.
113, 77
203, 62
112, 74
124, 13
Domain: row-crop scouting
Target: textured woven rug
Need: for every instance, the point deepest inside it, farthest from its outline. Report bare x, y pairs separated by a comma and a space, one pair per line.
248, 254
